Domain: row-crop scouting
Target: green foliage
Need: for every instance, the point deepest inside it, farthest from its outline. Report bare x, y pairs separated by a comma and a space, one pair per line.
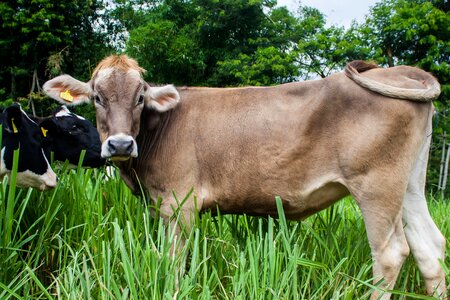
267, 66
166, 52
92, 239
4, 104
199, 42
323, 50
55, 62
269, 59
33, 31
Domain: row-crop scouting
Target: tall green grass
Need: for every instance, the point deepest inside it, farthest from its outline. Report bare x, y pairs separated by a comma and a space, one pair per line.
92, 239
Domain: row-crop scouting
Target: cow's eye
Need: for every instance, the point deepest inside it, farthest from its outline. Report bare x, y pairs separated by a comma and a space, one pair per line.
140, 100
75, 129
98, 100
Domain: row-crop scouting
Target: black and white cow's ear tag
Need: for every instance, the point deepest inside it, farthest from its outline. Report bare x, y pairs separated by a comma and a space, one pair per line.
14, 126
44, 131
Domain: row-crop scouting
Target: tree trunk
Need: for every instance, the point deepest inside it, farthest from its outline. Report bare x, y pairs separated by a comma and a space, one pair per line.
441, 165
389, 57
33, 87
13, 85
444, 180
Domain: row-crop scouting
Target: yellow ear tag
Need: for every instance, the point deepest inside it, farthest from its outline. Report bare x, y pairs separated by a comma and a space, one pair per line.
44, 131
14, 126
66, 96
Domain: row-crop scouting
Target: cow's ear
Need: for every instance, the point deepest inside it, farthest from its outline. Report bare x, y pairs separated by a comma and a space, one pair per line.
61, 111
67, 90
13, 118
48, 127
161, 98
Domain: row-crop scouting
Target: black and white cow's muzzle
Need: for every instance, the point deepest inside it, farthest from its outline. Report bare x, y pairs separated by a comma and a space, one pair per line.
119, 147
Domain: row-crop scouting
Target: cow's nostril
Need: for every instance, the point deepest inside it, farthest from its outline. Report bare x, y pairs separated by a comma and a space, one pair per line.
129, 147
111, 146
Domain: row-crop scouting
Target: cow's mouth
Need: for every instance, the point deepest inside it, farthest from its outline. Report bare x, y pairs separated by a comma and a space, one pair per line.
120, 158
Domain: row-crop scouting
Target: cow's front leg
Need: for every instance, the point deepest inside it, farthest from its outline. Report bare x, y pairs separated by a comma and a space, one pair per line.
180, 220
179, 217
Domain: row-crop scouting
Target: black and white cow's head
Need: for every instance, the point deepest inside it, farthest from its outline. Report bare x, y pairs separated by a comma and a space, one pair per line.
67, 134
20, 132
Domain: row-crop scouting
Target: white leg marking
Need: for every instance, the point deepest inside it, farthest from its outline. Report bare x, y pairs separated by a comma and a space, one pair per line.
424, 238
389, 258
3, 169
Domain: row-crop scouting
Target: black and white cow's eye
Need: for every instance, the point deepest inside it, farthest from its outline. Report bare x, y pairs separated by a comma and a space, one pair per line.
75, 129
140, 100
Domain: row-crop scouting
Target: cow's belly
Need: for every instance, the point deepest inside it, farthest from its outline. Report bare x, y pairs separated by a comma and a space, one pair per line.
317, 200
297, 204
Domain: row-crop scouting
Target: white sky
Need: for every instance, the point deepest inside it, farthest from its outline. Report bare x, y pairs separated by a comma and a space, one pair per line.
337, 12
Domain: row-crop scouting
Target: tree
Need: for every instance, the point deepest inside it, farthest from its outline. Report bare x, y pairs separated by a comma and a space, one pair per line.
323, 50
34, 30
236, 42
270, 59
167, 52
267, 66
183, 41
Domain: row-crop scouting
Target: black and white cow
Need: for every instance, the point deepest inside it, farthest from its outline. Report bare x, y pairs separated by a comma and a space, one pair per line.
66, 134
20, 132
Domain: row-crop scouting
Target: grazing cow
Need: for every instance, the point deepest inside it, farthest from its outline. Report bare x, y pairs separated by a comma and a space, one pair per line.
66, 134
311, 143
20, 132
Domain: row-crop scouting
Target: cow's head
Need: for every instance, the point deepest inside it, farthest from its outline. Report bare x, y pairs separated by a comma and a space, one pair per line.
119, 94
20, 132
67, 134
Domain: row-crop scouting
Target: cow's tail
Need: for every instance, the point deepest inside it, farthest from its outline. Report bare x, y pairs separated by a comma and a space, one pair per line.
430, 92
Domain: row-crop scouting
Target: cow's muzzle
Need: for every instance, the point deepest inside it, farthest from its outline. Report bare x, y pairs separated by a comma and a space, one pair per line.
119, 147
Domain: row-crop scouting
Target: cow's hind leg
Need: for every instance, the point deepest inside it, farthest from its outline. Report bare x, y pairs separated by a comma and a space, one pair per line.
426, 242
424, 238
381, 207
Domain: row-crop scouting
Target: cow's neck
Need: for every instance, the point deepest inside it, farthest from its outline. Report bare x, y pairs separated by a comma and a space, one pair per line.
150, 136
128, 174
153, 127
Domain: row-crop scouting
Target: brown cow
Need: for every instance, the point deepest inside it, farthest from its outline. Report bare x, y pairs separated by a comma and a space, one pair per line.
311, 143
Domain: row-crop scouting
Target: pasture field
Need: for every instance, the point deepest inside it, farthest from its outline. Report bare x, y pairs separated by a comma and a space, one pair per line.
92, 239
